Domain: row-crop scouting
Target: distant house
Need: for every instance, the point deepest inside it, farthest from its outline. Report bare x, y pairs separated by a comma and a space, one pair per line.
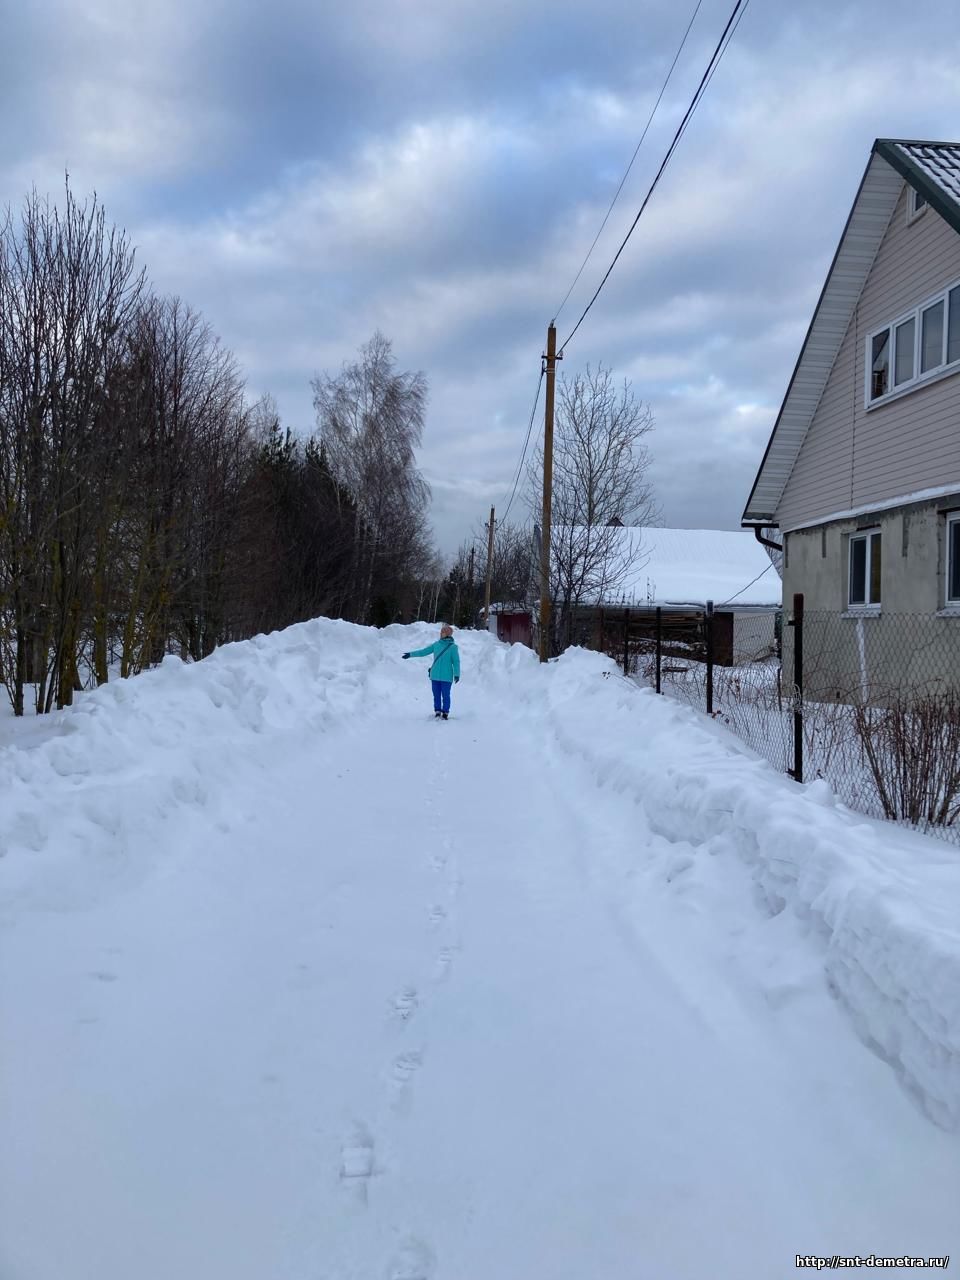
862, 471
680, 571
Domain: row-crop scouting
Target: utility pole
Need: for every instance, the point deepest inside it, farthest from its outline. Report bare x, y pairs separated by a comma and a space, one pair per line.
551, 369
486, 594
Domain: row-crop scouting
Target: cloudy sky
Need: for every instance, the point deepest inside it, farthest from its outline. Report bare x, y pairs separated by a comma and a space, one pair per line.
304, 173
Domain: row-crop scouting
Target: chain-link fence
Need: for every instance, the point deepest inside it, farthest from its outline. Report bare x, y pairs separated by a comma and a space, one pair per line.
881, 712
870, 702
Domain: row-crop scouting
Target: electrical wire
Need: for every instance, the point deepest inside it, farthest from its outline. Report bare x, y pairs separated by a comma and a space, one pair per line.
712, 72
526, 443
646, 128
732, 22
743, 589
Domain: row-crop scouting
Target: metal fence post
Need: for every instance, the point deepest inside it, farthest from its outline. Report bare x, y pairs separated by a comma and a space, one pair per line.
626, 642
797, 625
709, 624
659, 645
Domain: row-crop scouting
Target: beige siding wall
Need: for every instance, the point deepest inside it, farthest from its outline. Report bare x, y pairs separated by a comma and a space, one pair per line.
853, 457
912, 642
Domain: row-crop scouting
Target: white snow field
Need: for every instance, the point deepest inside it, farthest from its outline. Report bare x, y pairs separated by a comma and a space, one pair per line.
297, 983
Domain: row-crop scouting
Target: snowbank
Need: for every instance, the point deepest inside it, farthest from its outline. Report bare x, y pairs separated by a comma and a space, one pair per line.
886, 903
101, 797
101, 792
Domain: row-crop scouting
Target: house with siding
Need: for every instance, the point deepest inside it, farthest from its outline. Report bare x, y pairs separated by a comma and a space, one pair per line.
861, 475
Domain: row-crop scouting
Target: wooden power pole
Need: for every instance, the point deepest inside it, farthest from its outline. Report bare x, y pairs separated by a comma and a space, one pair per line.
551, 369
486, 594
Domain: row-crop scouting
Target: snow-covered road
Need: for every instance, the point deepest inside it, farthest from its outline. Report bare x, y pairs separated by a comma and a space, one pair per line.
299, 984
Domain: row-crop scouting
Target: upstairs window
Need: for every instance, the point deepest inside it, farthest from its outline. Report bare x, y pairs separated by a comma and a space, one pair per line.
880, 366
916, 204
865, 567
953, 328
925, 341
906, 341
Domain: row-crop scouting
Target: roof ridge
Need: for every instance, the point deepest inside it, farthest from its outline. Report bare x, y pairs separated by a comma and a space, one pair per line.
917, 142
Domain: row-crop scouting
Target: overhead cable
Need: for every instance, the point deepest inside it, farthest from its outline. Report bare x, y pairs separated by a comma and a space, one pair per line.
526, 443
646, 127
743, 589
732, 22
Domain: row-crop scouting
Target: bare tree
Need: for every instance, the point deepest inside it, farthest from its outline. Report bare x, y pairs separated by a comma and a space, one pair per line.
67, 290
600, 486
370, 419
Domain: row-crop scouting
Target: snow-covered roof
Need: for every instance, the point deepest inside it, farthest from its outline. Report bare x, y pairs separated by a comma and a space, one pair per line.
933, 169
692, 566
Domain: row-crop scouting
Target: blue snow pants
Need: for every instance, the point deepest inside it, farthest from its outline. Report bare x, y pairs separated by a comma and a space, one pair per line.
441, 695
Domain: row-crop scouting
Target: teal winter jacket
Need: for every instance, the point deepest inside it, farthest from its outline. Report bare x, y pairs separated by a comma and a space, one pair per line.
446, 659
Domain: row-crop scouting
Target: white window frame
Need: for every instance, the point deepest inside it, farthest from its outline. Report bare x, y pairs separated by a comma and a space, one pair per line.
950, 602
913, 211
918, 379
866, 536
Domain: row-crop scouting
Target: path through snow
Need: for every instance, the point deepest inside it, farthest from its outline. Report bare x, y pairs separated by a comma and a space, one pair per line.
381, 997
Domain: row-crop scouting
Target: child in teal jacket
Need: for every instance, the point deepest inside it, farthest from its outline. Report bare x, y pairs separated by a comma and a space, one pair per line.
444, 670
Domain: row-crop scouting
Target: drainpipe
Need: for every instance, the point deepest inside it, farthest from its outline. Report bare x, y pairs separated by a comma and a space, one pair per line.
767, 542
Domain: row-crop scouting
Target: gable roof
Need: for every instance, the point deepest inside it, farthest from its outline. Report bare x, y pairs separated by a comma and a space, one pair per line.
933, 169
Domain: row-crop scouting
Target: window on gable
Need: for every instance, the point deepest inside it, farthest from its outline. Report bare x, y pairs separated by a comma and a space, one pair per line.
905, 336
953, 558
953, 329
865, 568
880, 365
917, 204
931, 337
923, 342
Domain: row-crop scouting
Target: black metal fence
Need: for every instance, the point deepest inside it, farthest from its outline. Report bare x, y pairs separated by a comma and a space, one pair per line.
870, 702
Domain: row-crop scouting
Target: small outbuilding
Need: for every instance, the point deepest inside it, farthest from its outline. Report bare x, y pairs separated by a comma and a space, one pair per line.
511, 623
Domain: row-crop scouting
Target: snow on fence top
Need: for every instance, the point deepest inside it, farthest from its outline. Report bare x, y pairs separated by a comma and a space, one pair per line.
692, 566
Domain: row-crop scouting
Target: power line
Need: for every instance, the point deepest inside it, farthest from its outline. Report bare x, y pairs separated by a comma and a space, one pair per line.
526, 443
713, 69
732, 22
743, 589
646, 127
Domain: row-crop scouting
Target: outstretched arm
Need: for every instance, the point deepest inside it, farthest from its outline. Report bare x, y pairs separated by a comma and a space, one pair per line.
422, 653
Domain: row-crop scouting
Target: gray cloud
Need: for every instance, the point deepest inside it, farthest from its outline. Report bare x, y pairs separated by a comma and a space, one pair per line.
304, 174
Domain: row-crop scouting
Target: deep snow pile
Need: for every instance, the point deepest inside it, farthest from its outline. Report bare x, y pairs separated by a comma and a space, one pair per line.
115, 774
132, 758
885, 903
100, 794
298, 982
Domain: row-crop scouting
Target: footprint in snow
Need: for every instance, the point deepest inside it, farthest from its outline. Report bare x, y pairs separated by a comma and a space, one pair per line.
357, 1161
414, 1261
102, 975
405, 1003
438, 914
444, 961
405, 1067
